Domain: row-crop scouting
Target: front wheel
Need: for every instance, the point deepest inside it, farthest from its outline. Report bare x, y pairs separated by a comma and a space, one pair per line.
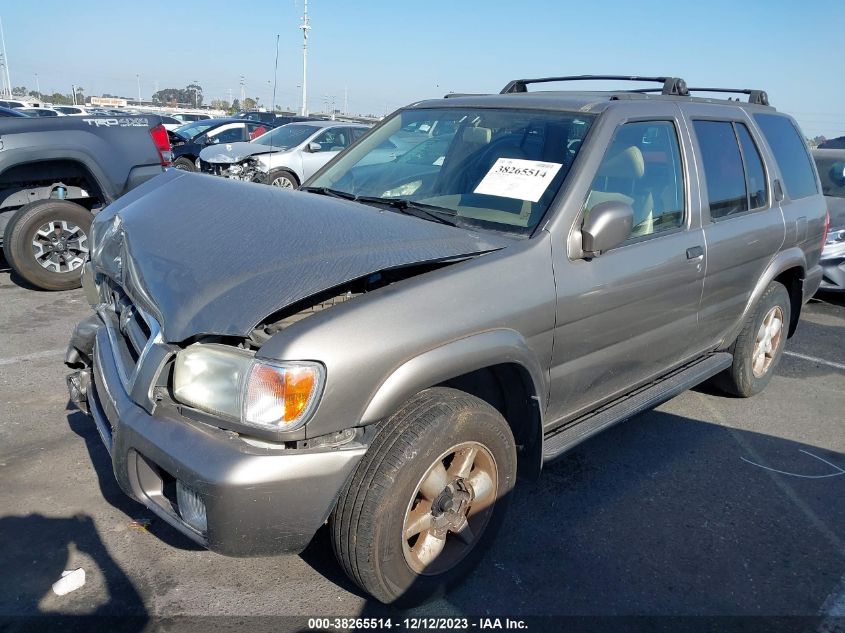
46, 243
282, 178
759, 346
184, 164
429, 494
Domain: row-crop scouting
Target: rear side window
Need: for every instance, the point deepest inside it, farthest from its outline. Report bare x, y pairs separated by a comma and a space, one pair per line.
790, 153
723, 168
754, 173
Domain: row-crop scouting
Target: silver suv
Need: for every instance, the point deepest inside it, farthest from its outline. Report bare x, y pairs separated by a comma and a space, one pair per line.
388, 349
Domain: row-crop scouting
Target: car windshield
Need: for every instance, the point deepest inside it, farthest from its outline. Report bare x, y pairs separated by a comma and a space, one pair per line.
190, 130
831, 166
286, 136
497, 169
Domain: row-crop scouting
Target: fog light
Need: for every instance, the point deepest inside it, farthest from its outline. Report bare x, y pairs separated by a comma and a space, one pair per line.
191, 508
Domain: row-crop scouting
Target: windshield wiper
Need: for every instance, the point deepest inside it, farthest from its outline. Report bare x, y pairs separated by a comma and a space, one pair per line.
416, 209
326, 191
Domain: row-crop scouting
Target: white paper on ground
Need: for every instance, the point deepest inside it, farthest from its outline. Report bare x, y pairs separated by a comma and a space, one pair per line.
71, 580
518, 178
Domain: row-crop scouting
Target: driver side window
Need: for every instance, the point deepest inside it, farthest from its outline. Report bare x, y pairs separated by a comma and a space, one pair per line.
333, 140
642, 168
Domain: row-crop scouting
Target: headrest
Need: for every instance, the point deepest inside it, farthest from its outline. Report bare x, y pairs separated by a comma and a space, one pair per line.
478, 135
628, 163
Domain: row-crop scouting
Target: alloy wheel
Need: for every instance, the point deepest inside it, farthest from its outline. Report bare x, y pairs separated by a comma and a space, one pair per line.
60, 246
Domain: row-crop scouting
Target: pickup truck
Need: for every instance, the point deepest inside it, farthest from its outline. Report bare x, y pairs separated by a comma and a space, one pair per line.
388, 348
56, 174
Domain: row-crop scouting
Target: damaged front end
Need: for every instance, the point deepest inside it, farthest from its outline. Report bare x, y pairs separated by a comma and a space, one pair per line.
248, 170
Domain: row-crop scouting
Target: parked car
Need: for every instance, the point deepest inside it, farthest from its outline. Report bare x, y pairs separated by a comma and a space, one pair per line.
284, 157
55, 173
830, 164
188, 117
386, 351
189, 140
833, 143
40, 112
12, 112
271, 118
170, 123
71, 110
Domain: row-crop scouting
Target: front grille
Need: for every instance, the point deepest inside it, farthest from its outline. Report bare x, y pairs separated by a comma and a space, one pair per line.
132, 332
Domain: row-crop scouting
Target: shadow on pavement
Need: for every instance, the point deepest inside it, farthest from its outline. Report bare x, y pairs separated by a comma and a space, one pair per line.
37, 549
661, 516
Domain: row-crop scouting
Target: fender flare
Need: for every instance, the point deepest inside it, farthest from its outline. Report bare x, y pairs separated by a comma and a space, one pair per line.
453, 359
36, 155
783, 261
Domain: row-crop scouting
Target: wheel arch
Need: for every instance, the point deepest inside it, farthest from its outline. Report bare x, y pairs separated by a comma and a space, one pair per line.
48, 168
787, 267
496, 366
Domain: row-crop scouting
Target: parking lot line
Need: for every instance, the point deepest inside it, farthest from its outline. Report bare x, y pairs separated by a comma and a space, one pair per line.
813, 359
12, 360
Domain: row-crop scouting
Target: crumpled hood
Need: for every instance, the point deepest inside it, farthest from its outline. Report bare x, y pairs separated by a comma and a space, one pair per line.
235, 152
209, 255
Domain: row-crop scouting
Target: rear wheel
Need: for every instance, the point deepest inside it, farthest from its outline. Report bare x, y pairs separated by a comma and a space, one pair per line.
428, 495
184, 164
46, 243
759, 346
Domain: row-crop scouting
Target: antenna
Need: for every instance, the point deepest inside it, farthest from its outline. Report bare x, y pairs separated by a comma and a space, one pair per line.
305, 26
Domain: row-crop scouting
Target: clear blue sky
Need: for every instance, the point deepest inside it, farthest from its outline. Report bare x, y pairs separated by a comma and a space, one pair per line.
392, 52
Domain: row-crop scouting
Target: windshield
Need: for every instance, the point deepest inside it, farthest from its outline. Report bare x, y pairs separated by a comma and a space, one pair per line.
190, 130
831, 166
491, 168
286, 136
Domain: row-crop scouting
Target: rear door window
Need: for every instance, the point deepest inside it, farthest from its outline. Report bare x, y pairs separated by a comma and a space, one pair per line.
723, 168
791, 155
755, 175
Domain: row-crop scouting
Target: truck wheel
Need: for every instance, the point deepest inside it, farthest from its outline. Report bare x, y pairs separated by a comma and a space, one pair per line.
185, 164
759, 346
46, 243
430, 492
282, 178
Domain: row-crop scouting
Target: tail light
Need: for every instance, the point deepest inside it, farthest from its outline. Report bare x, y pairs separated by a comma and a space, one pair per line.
162, 143
826, 228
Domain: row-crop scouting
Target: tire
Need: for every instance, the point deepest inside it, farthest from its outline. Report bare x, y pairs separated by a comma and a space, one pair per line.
282, 178
751, 371
397, 482
67, 222
184, 163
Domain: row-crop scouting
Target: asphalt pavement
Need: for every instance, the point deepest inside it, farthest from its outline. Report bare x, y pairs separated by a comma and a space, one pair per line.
707, 505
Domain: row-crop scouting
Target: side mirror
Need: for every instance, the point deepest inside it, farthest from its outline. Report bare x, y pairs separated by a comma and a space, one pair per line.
314, 147
606, 226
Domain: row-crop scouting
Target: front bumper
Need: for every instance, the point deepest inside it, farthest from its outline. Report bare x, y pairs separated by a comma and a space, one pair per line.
258, 501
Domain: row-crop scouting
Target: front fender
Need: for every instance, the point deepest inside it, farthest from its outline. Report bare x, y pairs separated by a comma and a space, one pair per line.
464, 355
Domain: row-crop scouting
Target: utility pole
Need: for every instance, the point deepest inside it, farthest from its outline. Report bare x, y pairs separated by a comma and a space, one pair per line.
305, 26
138, 77
243, 92
275, 75
196, 92
346, 101
5, 59
37, 87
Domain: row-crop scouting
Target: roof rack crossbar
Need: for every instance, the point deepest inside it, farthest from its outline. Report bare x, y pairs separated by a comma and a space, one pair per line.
671, 85
754, 96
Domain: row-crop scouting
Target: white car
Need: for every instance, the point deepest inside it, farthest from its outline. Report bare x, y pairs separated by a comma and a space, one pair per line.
284, 157
70, 110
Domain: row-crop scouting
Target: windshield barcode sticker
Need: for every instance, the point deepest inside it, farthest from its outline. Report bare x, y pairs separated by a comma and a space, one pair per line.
518, 178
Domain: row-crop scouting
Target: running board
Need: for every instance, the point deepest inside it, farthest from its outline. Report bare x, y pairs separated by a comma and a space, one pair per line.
561, 440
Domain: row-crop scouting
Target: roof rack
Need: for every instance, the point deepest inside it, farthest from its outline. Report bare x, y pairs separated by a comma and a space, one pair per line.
671, 85
758, 97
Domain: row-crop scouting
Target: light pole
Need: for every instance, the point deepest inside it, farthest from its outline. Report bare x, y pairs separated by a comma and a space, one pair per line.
37, 87
138, 77
196, 97
305, 26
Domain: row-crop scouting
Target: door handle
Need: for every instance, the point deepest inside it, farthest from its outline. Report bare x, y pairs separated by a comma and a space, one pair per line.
695, 252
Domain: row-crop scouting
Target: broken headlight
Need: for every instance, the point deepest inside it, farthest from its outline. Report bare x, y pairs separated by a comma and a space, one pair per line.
232, 383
